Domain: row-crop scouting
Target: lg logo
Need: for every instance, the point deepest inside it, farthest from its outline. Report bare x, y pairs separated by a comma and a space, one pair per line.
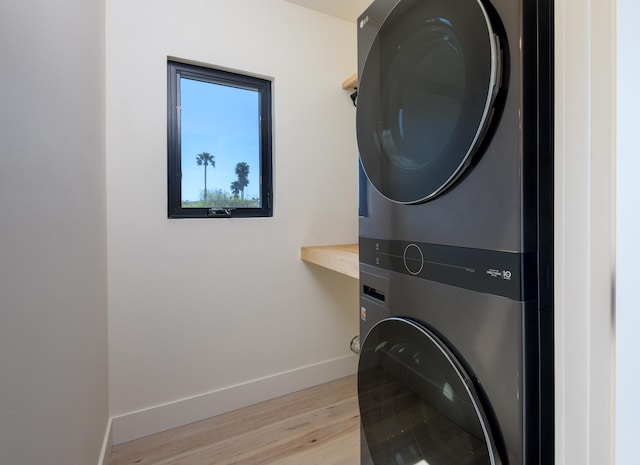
506, 274
364, 21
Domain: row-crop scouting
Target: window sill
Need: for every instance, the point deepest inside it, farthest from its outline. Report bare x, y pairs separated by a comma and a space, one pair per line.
341, 258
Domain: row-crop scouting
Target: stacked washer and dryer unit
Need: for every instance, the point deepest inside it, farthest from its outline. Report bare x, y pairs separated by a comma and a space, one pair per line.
454, 126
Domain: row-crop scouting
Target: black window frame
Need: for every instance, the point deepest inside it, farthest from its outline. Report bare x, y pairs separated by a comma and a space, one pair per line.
175, 71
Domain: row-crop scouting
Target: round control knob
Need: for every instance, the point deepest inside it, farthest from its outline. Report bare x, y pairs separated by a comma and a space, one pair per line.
413, 259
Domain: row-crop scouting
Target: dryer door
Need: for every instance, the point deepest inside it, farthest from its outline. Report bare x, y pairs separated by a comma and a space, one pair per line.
425, 95
418, 405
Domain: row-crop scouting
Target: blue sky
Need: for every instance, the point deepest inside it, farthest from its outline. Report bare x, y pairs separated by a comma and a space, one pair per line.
223, 121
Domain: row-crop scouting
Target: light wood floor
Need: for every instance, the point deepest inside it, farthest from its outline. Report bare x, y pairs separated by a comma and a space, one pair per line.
316, 426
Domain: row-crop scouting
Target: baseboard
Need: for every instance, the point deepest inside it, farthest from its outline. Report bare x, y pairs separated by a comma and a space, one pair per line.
107, 443
181, 412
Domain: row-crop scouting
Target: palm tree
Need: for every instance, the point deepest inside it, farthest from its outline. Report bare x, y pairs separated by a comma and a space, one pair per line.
242, 171
235, 189
206, 159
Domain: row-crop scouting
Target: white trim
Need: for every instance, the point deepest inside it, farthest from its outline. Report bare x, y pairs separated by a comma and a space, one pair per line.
107, 444
134, 425
584, 229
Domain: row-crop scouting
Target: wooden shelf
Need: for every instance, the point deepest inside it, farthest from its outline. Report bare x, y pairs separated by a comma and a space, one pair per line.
351, 82
342, 258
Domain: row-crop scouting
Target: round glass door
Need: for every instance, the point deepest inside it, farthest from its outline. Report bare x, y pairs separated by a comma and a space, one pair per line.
418, 406
425, 96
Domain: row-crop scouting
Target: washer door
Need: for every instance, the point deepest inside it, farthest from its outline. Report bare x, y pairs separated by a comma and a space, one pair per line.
425, 96
418, 405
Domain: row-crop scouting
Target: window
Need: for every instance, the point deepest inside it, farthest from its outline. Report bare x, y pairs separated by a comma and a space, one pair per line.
219, 143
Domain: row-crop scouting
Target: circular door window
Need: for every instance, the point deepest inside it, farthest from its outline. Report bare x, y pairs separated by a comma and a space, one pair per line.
417, 403
425, 96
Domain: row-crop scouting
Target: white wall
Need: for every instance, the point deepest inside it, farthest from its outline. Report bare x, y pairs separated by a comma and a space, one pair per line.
627, 233
53, 272
197, 307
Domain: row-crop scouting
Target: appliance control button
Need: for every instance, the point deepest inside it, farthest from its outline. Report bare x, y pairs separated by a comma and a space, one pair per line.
413, 259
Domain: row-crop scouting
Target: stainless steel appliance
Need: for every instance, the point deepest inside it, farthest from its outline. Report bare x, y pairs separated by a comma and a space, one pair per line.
454, 125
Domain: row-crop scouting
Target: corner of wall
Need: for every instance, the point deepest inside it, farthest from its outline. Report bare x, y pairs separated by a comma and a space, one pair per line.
107, 445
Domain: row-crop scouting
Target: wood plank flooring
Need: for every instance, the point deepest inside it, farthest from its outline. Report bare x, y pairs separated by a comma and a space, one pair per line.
315, 426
